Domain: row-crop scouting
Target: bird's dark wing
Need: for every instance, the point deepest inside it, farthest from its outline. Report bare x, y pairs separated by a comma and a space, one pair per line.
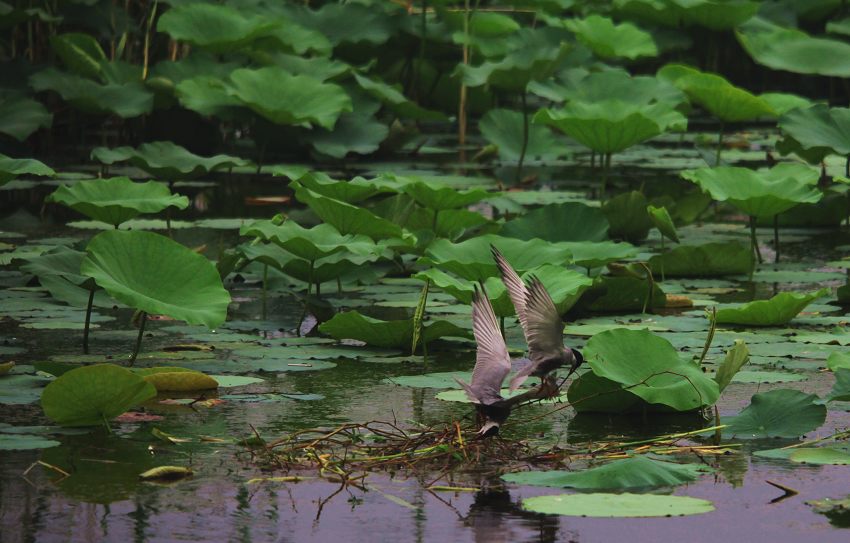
544, 327
492, 361
516, 288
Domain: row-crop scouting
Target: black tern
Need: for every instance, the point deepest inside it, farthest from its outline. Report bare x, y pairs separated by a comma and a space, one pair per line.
541, 324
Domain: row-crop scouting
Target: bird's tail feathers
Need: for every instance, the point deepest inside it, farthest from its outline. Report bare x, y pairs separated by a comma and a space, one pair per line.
468, 389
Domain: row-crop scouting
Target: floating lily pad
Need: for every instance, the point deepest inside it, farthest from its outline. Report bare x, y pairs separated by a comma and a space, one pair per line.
767, 377
176, 379
444, 379
820, 456
634, 472
777, 413
230, 381
93, 395
271, 397
22, 389
617, 505
776, 311
19, 442
388, 334
571, 221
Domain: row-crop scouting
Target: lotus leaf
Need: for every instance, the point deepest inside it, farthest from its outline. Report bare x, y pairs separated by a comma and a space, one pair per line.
21, 442
619, 85
22, 389
116, 199
176, 379
820, 456
80, 53
154, 274
570, 221
348, 219
627, 216
609, 40
125, 100
462, 290
21, 116
310, 243
166, 160
472, 259
534, 55
777, 413
777, 311
387, 334
816, 131
355, 132
440, 197
348, 23
93, 395
713, 14
610, 126
706, 260
759, 194
660, 217
714, 93
793, 50
838, 360
396, 101
444, 379
503, 128
735, 359
351, 192
617, 505
617, 294
288, 99
634, 472
841, 389
10, 168
219, 28
660, 377
208, 96
782, 102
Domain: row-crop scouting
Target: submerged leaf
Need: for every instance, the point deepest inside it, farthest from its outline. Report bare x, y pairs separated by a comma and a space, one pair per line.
617, 505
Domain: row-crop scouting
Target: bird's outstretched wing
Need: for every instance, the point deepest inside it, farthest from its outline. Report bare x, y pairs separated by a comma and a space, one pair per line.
540, 321
492, 361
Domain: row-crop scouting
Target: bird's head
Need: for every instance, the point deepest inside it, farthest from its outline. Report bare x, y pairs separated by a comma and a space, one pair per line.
578, 360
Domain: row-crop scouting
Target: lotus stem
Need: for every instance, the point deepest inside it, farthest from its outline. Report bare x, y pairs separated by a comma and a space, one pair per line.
461, 110
142, 318
719, 144
524, 136
605, 160
88, 321
753, 240
776, 237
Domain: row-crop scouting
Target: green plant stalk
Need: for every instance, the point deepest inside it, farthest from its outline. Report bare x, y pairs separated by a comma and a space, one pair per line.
524, 148
754, 244
712, 326
142, 318
147, 44
605, 160
88, 321
418, 317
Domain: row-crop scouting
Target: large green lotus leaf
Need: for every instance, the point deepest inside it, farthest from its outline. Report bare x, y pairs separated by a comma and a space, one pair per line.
713, 14
503, 128
627, 216
793, 50
195, 65
590, 393
609, 40
289, 99
820, 456
355, 132
310, 243
93, 395
215, 27
593, 254
125, 100
706, 260
80, 53
777, 413
618, 84
329, 268
535, 55
349, 22
166, 160
473, 260
838, 360
634, 472
21, 116
347, 218
387, 334
783, 102
155, 274
569, 221
60, 260
116, 199
617, 505
351, 192
397, 102
715, 94
777, 311
208, 96
462, 290
759, 193
441, 197
443, 379
10, 168
650, 367
819, 129
610, 126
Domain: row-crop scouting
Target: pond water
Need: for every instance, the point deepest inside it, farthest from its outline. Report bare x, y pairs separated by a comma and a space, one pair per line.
308, 385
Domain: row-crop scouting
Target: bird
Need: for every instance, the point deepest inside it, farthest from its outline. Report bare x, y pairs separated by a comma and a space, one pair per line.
541, 324
492, 365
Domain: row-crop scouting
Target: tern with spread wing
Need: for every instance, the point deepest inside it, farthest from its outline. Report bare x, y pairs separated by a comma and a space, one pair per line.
492, 365
541, 324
